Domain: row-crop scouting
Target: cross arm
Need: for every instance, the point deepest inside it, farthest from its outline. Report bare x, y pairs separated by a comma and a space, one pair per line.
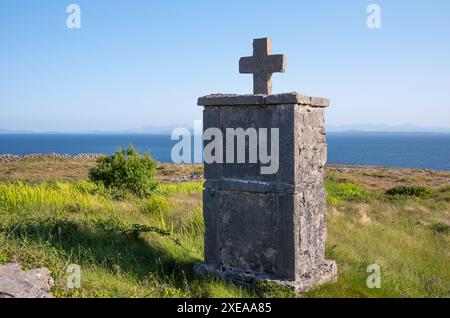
269, 64
276, 63
247, 65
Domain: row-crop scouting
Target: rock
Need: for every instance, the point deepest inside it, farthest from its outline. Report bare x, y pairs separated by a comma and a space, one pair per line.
16, 283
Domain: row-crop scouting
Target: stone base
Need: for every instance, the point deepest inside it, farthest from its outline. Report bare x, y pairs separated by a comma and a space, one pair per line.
326, 273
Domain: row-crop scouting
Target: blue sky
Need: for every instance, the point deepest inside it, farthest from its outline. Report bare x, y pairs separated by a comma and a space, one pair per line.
144, 63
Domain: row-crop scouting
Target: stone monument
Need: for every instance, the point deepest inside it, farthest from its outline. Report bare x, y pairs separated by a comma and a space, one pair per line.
268, 227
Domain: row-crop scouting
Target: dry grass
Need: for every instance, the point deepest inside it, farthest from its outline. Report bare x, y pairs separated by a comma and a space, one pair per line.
178, 172
37, 170
380, 179
371, 178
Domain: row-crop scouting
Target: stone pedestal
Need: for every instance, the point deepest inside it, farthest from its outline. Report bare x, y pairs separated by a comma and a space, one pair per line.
268, 227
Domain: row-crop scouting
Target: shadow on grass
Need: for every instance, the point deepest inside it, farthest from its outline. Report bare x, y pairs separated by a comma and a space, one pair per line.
115, 247
108, 244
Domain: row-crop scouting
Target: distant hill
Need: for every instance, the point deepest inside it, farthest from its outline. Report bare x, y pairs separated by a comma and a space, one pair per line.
150, 130
7, 131
386, 128
165, 130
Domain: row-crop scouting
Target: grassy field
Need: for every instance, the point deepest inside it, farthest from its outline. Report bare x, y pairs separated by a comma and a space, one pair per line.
52, 216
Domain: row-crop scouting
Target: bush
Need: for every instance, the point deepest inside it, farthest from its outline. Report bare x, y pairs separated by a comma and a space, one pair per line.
408, 191
126, 170
336, 192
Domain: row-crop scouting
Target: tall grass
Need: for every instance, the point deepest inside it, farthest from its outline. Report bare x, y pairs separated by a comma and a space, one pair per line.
76, 195
177, 188
146, 247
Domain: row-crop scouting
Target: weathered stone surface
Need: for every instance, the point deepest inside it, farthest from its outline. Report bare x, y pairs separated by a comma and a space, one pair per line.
266, 227
263, 100
320, 102
325, 273
287, 98
247, 117
230, 100
262, 64
269, 227
15, 283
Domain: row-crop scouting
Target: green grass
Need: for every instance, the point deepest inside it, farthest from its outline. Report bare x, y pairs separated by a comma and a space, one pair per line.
59, 195
123, 249
147, 247
338, 192
185, 187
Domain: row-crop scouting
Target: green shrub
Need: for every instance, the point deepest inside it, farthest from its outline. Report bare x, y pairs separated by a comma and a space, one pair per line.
126, 170
336, 192
414, 191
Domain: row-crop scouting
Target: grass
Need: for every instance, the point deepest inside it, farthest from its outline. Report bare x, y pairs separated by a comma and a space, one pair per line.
37, 170
347, 191
414, 191
131, 247
180, 188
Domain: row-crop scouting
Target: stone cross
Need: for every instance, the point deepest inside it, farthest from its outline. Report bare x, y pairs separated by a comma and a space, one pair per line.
262, 64
266, 227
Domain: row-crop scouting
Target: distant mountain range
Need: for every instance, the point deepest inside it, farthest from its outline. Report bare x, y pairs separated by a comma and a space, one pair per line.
153, 130
7, 131
164, 130
387, 128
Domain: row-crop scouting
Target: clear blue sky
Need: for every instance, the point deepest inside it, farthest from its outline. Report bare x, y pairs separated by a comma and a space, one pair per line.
144, 63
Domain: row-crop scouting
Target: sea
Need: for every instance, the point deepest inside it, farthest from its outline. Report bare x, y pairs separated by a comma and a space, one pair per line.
406, 150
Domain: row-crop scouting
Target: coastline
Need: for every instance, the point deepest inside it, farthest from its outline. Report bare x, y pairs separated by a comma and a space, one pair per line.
422, 151
41, 165
338, 167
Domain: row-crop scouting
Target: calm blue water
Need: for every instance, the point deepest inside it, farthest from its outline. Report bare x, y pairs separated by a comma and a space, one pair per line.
407, 150
412, 150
